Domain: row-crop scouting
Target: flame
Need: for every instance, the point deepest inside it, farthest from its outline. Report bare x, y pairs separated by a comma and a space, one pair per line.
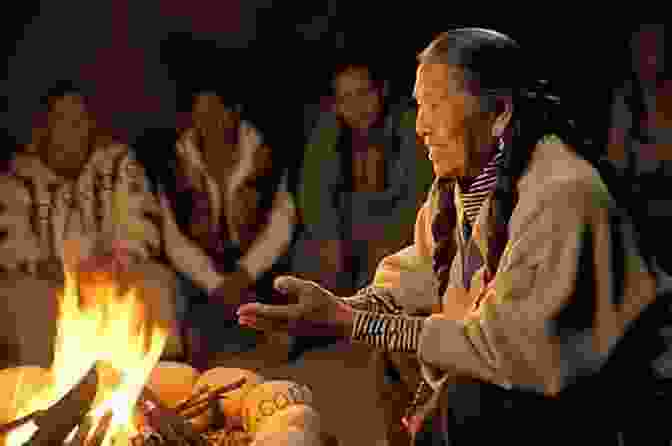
113, 333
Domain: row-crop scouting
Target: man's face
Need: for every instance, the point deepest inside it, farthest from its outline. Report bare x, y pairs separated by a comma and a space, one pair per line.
69, 130
358, 101
450, 123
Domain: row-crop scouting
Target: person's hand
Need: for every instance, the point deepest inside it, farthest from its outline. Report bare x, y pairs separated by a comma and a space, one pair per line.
185, 255
316, 312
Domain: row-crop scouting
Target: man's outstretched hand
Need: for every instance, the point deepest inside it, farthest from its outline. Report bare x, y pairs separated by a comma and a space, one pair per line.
316, 311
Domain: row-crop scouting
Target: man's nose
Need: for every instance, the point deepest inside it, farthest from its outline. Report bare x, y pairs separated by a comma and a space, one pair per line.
421, 127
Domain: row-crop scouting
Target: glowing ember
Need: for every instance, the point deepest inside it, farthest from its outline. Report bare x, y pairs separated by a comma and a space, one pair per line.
115, 332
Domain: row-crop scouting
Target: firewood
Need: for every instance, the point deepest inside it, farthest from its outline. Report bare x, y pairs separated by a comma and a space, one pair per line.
101, 429
183, 405
8, 427
166, 421
82, 432
201, 399
56, 423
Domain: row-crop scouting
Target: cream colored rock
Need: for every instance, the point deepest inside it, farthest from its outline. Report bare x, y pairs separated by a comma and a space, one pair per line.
173, 382
300, 416
270, 397
289, 437
221, 376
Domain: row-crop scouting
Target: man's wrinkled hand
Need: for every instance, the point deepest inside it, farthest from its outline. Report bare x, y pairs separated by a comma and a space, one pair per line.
317, 311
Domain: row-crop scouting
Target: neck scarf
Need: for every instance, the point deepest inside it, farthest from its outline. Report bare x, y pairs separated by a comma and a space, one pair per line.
474, 194
445, 221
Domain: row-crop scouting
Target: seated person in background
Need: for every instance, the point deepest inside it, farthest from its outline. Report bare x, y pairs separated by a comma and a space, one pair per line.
640, 139
72, 184
362, 169
233, 209
364, 177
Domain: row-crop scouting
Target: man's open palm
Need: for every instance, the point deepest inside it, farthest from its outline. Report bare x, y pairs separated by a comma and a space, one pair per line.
315, 310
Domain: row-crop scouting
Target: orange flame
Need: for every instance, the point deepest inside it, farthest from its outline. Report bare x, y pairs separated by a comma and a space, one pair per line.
109, 329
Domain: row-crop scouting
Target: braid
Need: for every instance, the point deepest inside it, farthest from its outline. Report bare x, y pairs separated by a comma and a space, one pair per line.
442, 231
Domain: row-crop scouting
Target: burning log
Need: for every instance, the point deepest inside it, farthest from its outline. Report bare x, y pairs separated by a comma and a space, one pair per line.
82, 432
56, 423
99, 434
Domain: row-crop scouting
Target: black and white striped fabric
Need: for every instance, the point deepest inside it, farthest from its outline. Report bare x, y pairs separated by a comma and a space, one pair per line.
473, 196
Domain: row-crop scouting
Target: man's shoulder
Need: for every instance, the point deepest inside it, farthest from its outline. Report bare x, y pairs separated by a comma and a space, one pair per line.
563, 180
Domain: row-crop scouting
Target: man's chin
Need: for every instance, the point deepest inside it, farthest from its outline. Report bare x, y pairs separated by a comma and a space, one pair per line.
445, 172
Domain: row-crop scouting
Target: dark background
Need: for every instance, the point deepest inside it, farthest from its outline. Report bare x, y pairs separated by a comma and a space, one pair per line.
274, 55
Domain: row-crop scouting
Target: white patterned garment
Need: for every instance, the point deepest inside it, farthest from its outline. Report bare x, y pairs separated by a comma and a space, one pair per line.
273, 240
107, 202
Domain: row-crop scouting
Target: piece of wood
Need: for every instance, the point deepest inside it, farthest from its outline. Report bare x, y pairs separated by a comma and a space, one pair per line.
8, 427
206, 399
82, 432
167, 422
101, 430
204, 390
56, 423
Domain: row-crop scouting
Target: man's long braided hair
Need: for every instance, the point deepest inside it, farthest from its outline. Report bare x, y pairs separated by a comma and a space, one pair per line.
492, 65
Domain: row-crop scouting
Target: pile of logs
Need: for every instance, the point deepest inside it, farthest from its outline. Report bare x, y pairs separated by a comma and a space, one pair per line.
161, 426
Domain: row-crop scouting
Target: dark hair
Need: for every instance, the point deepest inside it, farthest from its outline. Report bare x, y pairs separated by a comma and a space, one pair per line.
350, 61
494, 66
225, 83
63, 88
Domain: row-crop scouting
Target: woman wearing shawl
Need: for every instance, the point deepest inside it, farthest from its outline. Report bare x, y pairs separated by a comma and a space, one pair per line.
234, 221
531, 271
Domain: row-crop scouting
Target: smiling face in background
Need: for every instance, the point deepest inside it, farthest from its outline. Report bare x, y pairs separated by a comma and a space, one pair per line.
457, 133
70, 127
211, 116
358, 99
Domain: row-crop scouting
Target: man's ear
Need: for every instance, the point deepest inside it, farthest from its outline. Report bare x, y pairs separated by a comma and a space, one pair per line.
503, 119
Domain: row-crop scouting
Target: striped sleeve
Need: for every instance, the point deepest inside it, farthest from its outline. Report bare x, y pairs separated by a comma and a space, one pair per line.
379, 321
375, 300
392, 333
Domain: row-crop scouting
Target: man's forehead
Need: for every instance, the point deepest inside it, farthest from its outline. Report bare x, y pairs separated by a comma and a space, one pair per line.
437, 79
208, 101
351, 78
69, 103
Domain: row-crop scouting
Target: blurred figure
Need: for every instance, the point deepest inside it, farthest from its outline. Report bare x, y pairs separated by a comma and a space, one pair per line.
640, 140
72, 184
233, 209
363, 178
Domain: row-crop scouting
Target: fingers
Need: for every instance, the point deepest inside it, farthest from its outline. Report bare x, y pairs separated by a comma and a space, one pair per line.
275, 312
290, 285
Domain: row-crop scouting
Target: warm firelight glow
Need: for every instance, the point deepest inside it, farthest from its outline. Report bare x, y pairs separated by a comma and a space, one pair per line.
113, 331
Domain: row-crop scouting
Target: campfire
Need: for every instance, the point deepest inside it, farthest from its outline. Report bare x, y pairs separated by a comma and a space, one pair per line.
113, 337
96, 392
